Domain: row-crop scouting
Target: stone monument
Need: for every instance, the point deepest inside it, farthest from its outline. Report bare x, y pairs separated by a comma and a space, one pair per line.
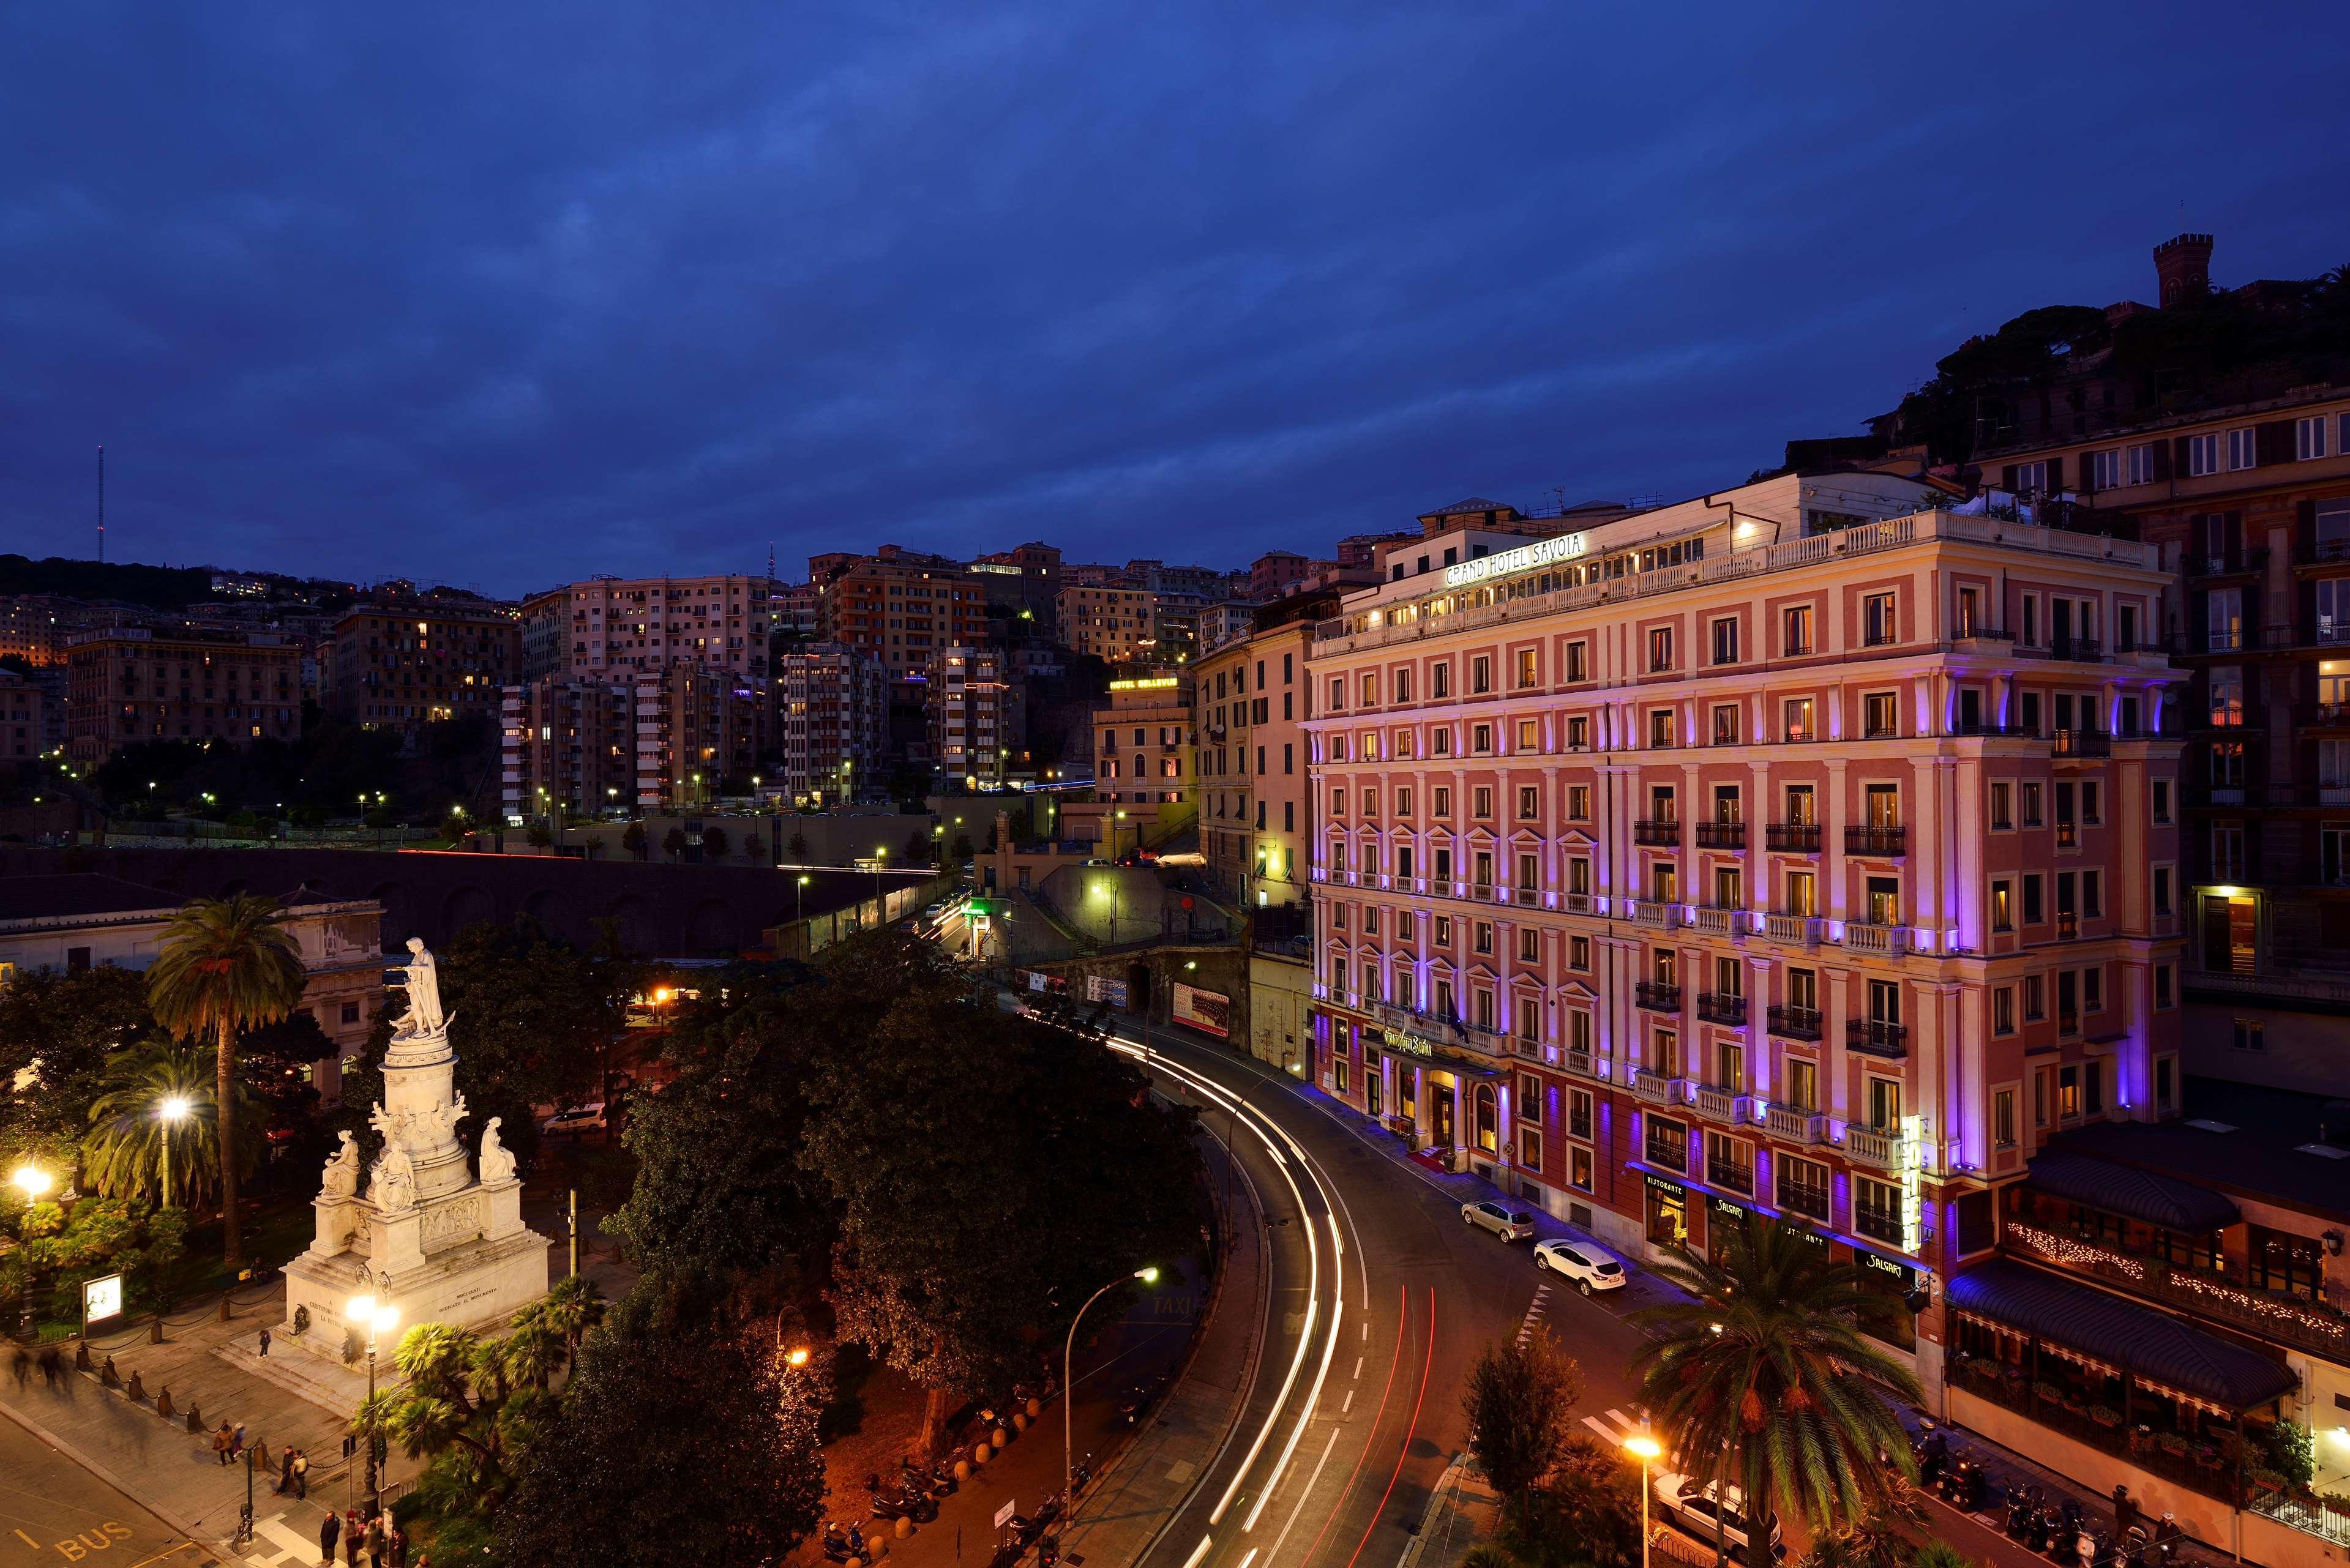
420, 1230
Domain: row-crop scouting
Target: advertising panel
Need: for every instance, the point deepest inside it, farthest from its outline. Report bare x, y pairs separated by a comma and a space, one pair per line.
1204, 1010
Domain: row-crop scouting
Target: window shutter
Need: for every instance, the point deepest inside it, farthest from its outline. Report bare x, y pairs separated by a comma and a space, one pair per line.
2161, 466
2233, 529
2305, 530
2007, 479
2087, 483
2275, 441
2178, 456
2056, 475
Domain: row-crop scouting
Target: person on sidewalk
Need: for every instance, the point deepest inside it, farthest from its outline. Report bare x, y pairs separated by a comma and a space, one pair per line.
264, 1344
221, 1441
352, 1531
301, 1474
237, 1442
285, 1471
327, 1534
395, 1545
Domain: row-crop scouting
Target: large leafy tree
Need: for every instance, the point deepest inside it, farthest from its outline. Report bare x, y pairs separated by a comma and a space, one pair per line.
1520, 1399
722, 1213
56, 1032
1766, 1378
961, 1248
124, 1152
225, 965
673, 1443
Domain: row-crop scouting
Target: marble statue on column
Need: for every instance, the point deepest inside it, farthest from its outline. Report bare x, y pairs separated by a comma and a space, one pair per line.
431, 1236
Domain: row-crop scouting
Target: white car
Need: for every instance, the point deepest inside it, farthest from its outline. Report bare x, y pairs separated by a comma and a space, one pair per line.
576, 1121
1590, 1268
1509, 1224
1691, 1505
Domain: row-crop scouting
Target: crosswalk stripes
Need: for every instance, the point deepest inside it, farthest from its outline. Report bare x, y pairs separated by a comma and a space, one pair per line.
1618, 1426
1533, 1315
293, 1549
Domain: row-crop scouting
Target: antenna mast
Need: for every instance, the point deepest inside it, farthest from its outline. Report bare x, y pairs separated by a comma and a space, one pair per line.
101, 505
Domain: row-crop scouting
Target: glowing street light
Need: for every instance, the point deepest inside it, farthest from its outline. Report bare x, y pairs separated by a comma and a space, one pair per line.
381, 1319
171, 1112
1645, 1449
1148, 1275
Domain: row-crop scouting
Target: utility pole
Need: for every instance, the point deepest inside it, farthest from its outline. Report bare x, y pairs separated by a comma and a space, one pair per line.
101, 505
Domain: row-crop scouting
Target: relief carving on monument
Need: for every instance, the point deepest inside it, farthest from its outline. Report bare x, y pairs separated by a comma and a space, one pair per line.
458, 1222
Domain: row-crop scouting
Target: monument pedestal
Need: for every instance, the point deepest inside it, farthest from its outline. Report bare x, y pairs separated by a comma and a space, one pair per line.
426, 1238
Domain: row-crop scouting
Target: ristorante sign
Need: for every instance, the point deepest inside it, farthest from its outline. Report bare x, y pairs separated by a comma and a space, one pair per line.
1524, 558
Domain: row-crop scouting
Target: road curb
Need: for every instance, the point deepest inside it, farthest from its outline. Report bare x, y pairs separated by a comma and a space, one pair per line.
103, 1474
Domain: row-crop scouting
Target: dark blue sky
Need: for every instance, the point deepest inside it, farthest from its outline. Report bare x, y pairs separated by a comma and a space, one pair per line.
500, 296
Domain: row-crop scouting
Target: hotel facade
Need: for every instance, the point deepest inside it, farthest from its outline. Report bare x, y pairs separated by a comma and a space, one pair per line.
1803, 850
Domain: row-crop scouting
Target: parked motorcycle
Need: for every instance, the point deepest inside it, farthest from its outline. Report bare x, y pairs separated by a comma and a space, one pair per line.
840, 1545
1137, 1399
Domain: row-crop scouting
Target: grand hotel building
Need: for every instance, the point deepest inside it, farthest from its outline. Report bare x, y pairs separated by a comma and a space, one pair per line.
1803, 848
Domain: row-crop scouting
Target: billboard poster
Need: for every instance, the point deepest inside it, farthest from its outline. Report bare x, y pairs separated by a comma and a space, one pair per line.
1101, 988
101, 1299
1204, 1010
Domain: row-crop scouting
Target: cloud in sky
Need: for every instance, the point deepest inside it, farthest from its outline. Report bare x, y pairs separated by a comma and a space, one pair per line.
501, 295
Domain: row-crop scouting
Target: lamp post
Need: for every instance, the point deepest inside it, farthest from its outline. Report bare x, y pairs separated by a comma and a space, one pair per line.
171, 1112
32, 1181
381, 1319
1069, 1396
799, 898
1641, 1445
881, 903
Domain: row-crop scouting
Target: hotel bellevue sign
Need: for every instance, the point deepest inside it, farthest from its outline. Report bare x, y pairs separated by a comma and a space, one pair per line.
1509, 562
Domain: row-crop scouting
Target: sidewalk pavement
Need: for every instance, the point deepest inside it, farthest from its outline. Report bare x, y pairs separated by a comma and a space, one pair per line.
1464, 1511
292, 1397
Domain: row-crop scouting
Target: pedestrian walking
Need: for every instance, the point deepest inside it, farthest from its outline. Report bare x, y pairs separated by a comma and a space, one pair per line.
53, 1366
351, 1533
285, 1471
301, 1474
375, 1541
237, 1443
21, 1366
396, 1545
264, 1344
221, 1441
327, 1534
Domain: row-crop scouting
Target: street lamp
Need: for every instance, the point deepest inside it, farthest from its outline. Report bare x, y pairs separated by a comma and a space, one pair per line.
171, 1112
1643, 1447
33, 1181
1069, 1395
881, 904
799, 898
379, 1320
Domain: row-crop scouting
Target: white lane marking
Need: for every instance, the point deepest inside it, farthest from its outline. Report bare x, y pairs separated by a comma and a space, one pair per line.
1349, 1404
1358, 1366
1198, 1551
1274, 1551
1250, 1558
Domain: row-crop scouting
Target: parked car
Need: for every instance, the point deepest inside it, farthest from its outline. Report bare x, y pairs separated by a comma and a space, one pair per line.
1692, 1505
576, 1121
1509, 1224
1587, 1265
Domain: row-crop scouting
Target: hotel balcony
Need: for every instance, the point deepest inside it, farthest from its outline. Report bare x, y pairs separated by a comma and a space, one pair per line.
1660, 1090
1660, 834
1721, 1007
1722, 1104
1584, 1065
1795, 1022
1883, 843
1730, 1176
1792, 837
1649, 913
1864, 1146
1714, 920
1883, 941
1804, 931
1721, 836
2082, 743
1656, 995
1669, 1152
1795, 1124
1876, 1037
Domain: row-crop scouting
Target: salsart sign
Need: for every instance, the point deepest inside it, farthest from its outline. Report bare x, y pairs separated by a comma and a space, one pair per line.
1524, 558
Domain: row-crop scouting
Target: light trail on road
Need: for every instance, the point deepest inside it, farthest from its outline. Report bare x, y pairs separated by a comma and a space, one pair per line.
1267, 1130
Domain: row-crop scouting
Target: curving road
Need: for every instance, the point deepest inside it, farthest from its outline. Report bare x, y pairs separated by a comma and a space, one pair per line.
1382, 1300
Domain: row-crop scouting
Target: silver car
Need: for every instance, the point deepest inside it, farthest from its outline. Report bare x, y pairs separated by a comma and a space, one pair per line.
1509, 1224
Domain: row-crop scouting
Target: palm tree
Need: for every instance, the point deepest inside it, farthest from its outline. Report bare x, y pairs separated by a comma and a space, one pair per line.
225, 964
1766, 1379
124, 1151
1883, 1535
